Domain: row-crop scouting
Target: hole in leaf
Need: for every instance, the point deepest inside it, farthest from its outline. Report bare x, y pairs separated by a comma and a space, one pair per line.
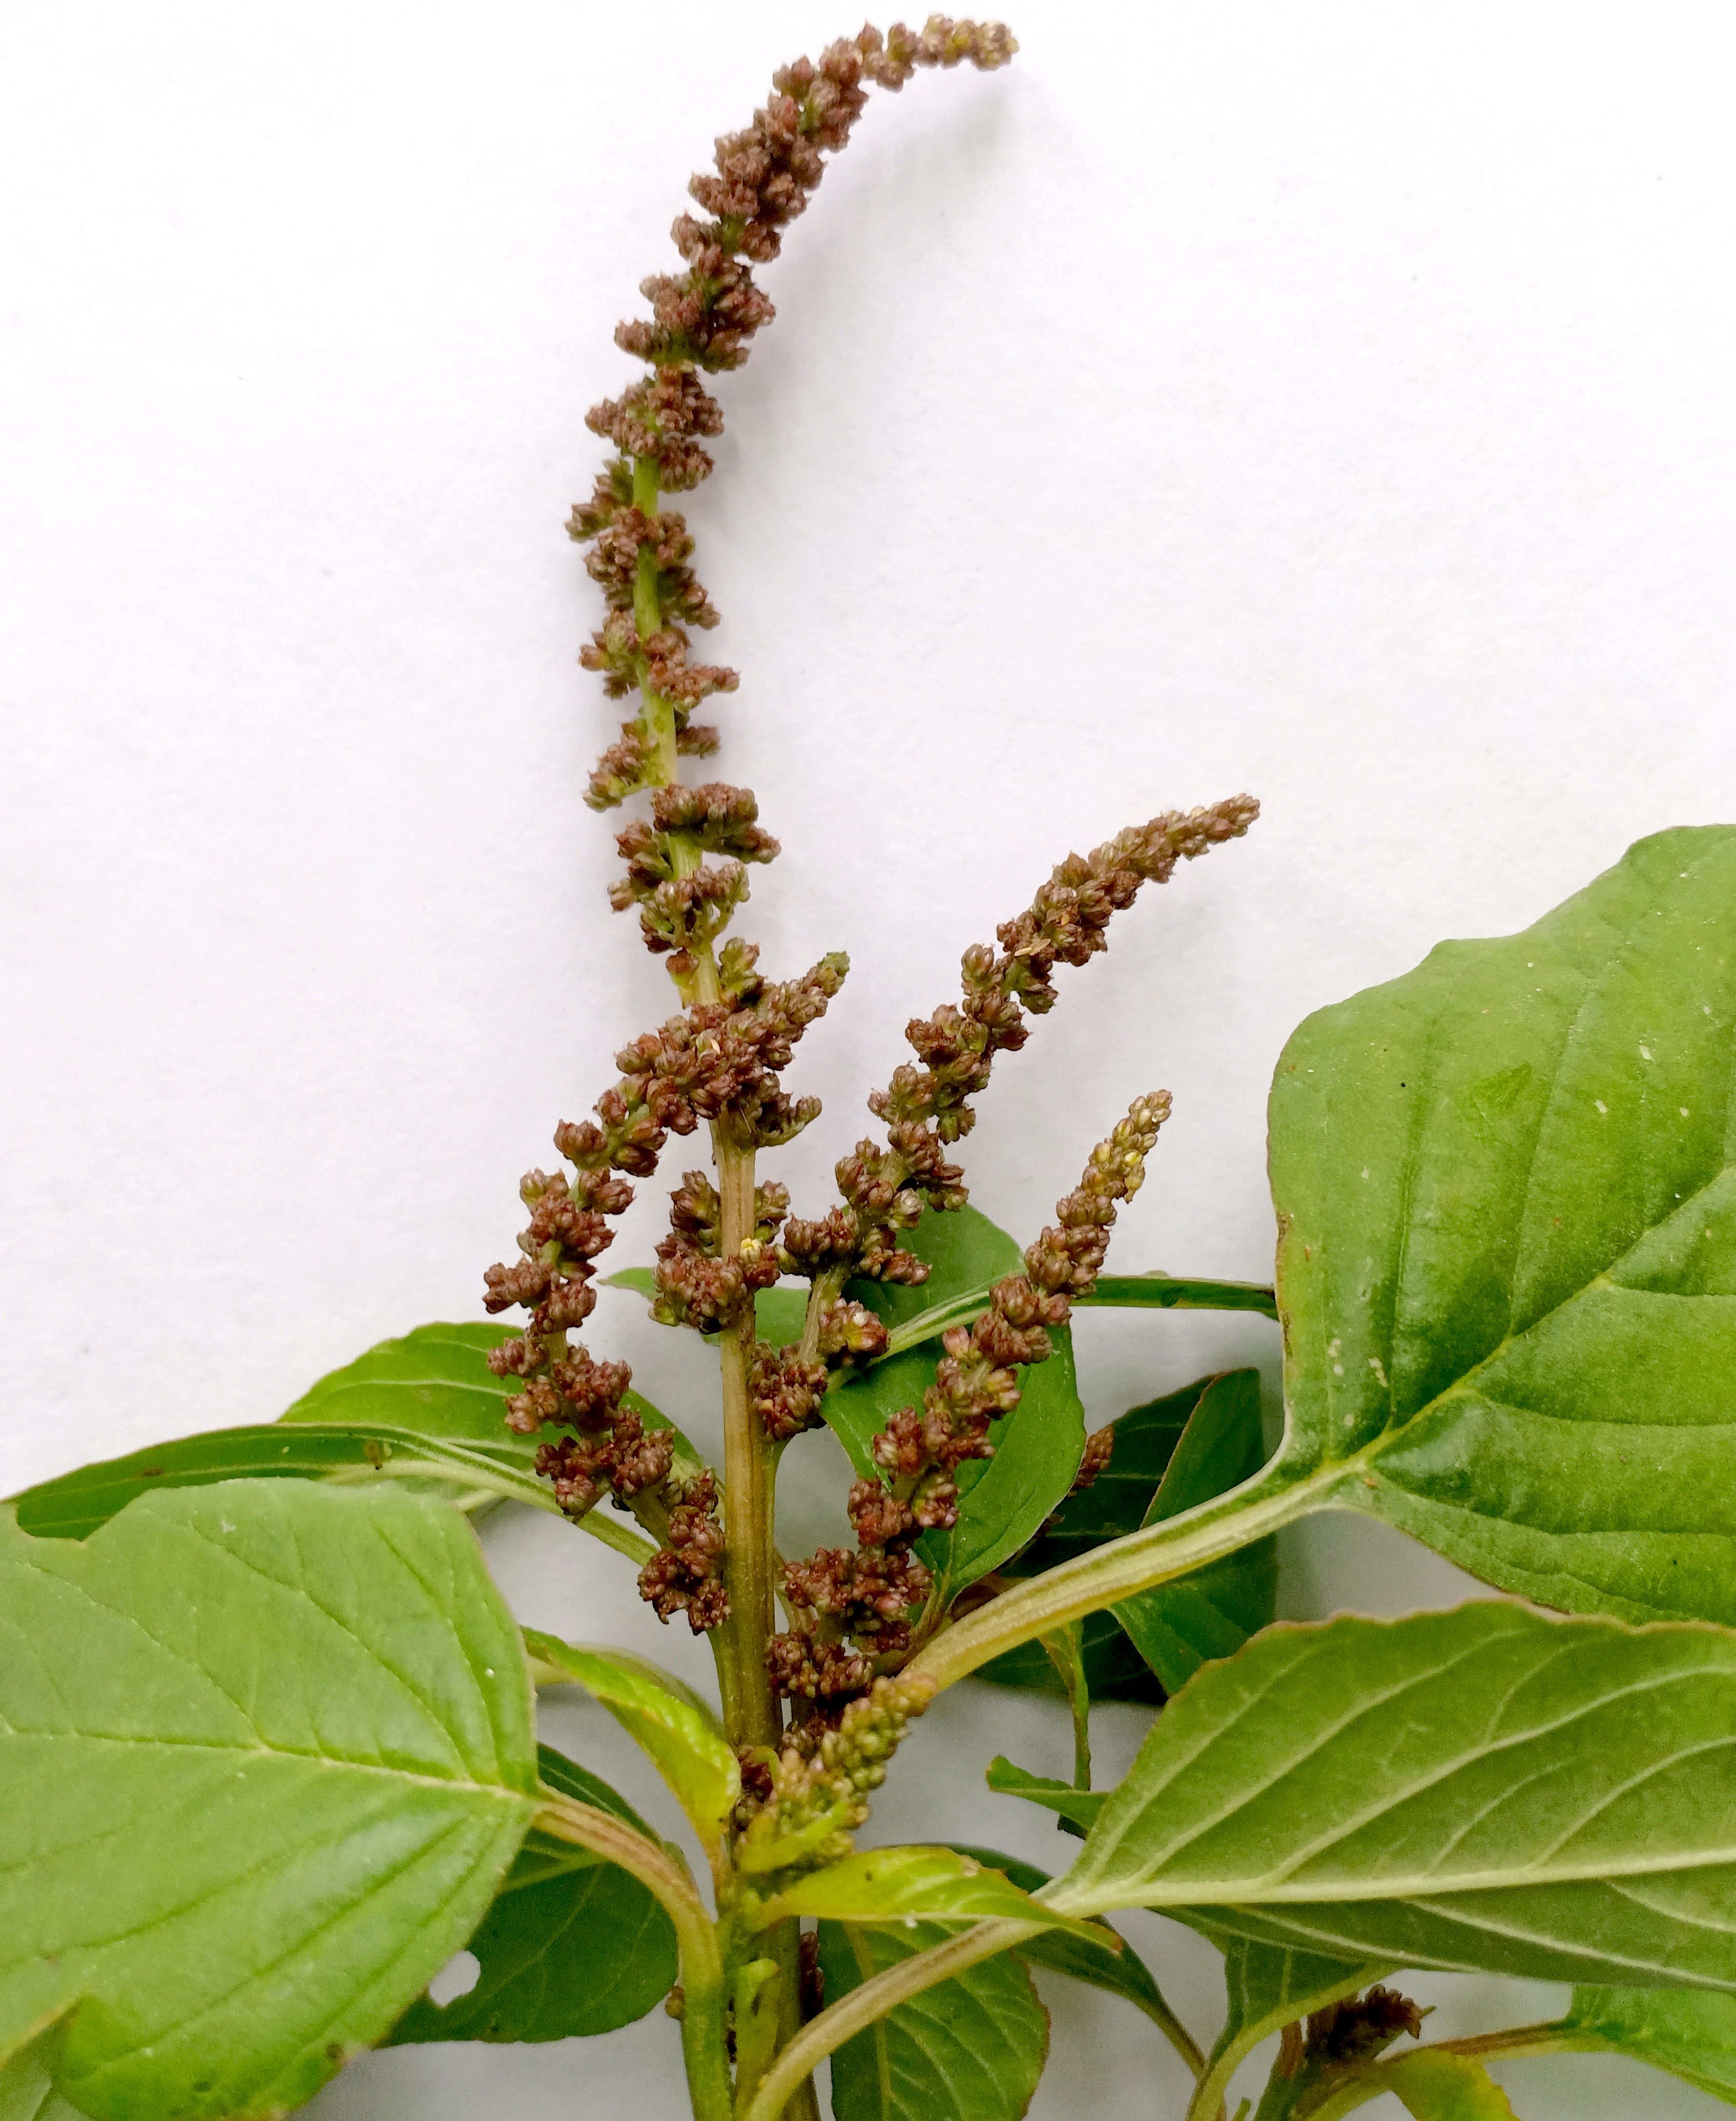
457, 1978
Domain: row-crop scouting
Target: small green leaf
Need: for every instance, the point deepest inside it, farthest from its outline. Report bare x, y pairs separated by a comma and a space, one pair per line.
1003, 1500
666, 1717
1180, 1626
779, 1312
1114, 1670
1038, 1447
1482, 1789
966, 1253
1691, 2032
643, 1279
1506, 1192
76, 1503
436, 1382
900, 1885
968, 2049
1104, 1962
1078, 1808
1444, 2087
1168, 1291
265, 1757
1115, 1504
27, 2090
1269, 1986
567, 1948
433, 1382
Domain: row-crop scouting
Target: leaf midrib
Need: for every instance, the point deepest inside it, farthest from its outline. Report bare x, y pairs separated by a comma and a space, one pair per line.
416, 1777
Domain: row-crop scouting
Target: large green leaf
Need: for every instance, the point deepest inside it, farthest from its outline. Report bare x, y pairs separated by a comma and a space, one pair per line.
1691, 2032
968, 2049
572, 1944
1177, 1627
1485, 1788
1506, 1188
265, 1757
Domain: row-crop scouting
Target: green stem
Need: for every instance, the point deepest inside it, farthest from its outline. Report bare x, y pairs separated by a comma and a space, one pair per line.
1233, 2050
1064, 1648
882, 1993
1555, 2037
1114, 1292
703, 2021
1277, 1495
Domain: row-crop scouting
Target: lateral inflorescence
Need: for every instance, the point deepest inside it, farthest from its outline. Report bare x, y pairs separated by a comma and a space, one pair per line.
852, 1609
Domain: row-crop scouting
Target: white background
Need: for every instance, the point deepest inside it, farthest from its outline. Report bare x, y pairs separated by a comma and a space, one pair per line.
1333, 401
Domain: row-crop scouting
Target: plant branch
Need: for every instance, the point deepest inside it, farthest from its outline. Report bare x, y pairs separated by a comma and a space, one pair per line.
1276, 1495
882, 1993
704, 1994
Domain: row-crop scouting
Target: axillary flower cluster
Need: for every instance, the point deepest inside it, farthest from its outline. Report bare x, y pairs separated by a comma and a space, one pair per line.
815, 1707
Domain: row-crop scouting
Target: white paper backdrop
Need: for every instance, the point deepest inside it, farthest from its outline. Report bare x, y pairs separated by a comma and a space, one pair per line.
1335, 402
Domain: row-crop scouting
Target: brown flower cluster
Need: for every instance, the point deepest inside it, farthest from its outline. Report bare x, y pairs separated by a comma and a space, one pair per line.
1360, 2027
852, 1609
703, 318
926, 1108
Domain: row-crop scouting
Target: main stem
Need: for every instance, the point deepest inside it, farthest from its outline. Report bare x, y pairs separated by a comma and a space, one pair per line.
751, 1711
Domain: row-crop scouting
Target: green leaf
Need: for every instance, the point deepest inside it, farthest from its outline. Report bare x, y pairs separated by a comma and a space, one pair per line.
76, 1503
1038, 1447
898, 1885
1507, 1270
1269, 1986
265, 1756
1166, 1292
433, 1382
1114, 1670
1691, 2032
1115, 1504
1003, 1500
1078, 1808
666, 1717
27, 2090
542, 1854
779, 1312
1444, 2087
966, 1253
968, 2049
1104, 1962
425, 1409
436, 1382
1482, 1789
1180, 1626
567, 1948
1118, 1501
